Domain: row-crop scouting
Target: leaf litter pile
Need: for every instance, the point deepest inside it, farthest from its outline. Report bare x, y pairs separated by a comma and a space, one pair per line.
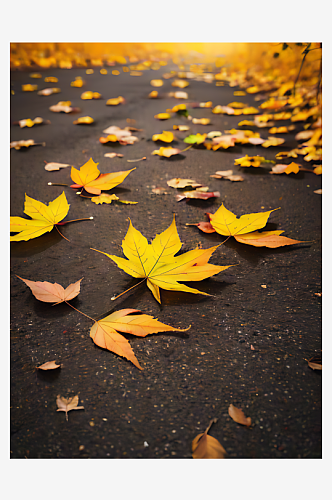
160, 264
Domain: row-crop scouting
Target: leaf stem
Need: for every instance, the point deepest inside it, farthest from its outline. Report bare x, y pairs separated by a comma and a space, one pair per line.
61, 233
74, 220
80, 311
56, 184
183, 150
114, 298
213, 421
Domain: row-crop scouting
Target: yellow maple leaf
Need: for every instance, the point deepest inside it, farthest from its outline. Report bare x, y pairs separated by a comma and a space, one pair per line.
90, 178
43, 218
157, 264
227, 223
273, 141
249, 161
164, 137
104, 332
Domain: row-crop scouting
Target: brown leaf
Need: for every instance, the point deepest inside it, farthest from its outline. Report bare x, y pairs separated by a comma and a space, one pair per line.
55, 166
113, 155
238, 416
66, 405
269, 239
315, 363
206, 227
48, 292
206, 446
49, 365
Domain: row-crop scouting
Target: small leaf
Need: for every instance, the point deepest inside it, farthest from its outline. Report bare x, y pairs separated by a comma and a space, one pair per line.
157, 83
90, 95
66, 405
115, 101
164, 137
269, 239
48, 292
49, 91
167, 152
162, 116
83, 120
55, 166
238, 416
179, 183
108, 198
49, 365
206, 446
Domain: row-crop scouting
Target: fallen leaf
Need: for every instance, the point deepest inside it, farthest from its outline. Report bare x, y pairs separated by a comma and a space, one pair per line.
49, 365
157, 83
50, 79
287, 154
292, 168
156, 262
35, 75
281, 130
25, 144
203, 226
250, 161
179, 183
237, 105
162, 116
105, 334
315, 363
27, 122
49, 91
90, 95
197, 195
153, 94
113, 155
29, 88
53, 292
164, 137
206, 446
269, 239
227, 224
273, 141
304, 135
115, 101
180, 83
108, 198
238, 416
159, 190
318, 191
201, 121
182, 128
213, 134
250, 111
83, 120
43, 218
78, 82
178, 95
195, 138
55, 166
90, 178
63, 107
66, 405
223, 110
167, 152
130, 139
222, 173
318, 170
117, 131
234, 178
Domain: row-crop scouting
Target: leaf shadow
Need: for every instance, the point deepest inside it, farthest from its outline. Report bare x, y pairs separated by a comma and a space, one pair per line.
48, 311
34, 246
178, 157
212, 287
48, 375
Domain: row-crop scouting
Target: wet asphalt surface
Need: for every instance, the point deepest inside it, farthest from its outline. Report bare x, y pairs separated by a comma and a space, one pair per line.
188, 378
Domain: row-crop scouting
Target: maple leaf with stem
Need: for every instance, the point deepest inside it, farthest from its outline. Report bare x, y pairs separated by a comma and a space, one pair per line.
90, 178
43, 218
157, 264
104, 332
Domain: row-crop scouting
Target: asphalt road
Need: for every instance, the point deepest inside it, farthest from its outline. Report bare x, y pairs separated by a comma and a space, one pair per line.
247, 345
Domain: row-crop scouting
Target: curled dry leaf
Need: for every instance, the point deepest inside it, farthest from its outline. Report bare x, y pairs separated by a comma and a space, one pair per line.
179, 183
25, 144
67, 404
157, 83
292, 168
90, 95
206, 446
104, 332
108, 198
273, 141
55, 166
167, 152
49, 365
197, 195
201, 121
83, 120
238, 416
156, 262
115, 101
315, 363
49, 91
53, 292
113, 155
63, 107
